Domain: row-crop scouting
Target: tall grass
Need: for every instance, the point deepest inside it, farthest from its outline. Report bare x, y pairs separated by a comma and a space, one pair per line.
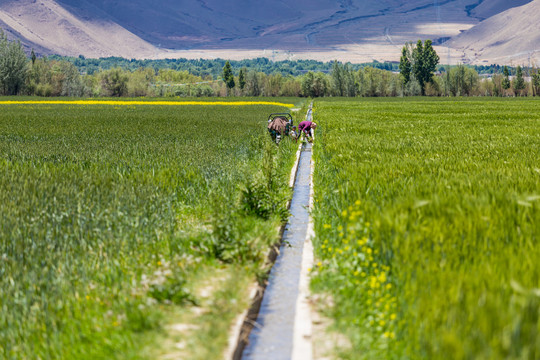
106, 211
427, 218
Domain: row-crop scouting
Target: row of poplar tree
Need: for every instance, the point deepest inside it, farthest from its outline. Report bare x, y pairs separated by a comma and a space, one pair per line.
418, 75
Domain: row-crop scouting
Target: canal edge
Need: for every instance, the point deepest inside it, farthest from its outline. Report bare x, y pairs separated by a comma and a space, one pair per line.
246, 321
303, 326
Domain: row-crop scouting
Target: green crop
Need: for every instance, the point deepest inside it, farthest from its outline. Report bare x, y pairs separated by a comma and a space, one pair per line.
427, 219
108, 211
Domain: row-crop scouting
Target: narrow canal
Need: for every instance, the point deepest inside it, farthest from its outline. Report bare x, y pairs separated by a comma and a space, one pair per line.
273, 334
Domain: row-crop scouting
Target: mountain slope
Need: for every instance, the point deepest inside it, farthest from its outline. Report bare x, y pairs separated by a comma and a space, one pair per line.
489, 8
513, 35
50, 26
349, 30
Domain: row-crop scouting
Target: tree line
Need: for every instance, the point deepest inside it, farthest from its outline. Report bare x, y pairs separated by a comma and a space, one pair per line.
416, 74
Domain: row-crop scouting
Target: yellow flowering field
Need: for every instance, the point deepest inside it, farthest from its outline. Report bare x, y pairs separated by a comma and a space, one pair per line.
143, 102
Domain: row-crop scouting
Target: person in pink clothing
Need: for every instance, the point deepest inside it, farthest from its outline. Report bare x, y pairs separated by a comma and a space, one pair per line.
306, 127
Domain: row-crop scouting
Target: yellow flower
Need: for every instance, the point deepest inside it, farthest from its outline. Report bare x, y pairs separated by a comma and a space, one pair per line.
159, 263
393, 317
357, 202
144, 103
382, 322
327, 226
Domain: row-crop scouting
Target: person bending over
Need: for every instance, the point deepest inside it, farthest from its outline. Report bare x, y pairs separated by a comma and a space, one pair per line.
307, 127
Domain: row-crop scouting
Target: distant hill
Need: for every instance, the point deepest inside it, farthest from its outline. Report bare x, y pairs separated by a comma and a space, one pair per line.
510, 36
51, 28
348, 30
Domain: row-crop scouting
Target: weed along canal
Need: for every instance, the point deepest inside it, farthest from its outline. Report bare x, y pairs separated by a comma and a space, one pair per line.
273, 334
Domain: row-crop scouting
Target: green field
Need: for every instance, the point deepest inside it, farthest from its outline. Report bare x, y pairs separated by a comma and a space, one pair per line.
133, 232
119, 222
427, 220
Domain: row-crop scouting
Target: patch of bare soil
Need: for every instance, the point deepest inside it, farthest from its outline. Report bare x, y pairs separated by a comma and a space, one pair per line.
327, 342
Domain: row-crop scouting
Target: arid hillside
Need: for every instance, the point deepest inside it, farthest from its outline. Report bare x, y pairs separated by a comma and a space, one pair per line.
348, 30
511, 36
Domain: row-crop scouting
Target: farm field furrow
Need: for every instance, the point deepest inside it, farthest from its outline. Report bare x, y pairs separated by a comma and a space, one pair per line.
133, 232
427, 219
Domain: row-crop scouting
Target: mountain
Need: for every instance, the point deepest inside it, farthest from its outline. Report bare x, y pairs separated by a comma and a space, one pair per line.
510, 36
486, 9
348, 30
51, 28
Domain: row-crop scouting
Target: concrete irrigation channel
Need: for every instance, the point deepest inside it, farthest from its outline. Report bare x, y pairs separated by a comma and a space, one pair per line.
282, 329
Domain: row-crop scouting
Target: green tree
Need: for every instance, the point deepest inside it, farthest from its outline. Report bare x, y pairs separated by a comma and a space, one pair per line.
506, 78
33, 57
114, 82
337, 79
272, 85
418, 64
343, 81
497, 84
139, 83
242, 79
519, 82
13, 66
228, 76
535, 79
253, 83
314, 84
462, 81
424, 63
405, 64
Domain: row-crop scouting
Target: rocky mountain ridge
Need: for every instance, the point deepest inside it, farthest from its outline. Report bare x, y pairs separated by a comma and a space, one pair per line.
347, 30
